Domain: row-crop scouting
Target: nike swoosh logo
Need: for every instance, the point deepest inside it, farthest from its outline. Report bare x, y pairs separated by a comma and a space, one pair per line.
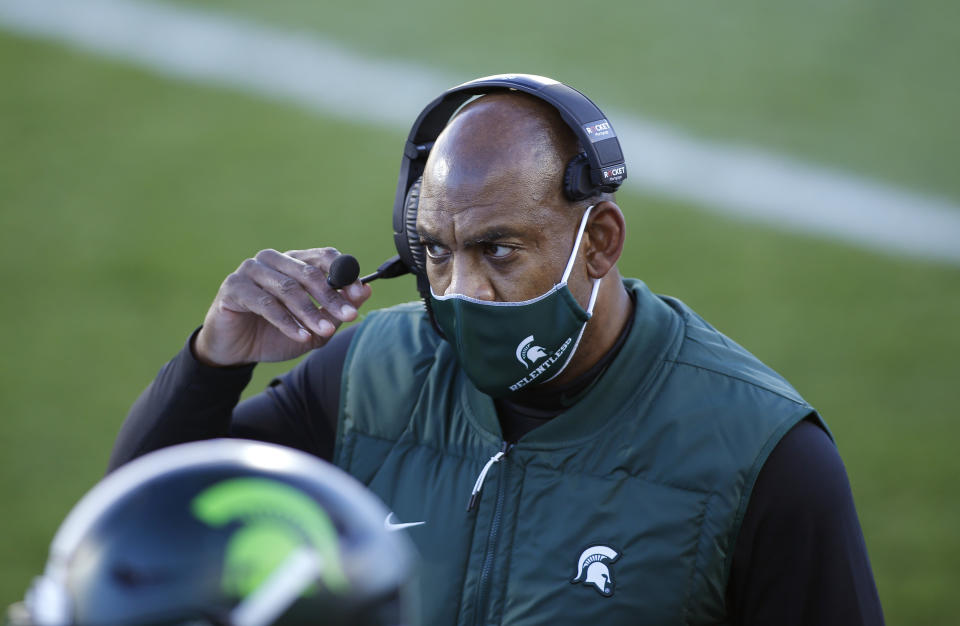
398, 525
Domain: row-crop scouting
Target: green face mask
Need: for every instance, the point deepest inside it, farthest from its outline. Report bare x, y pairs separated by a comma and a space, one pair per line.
506, 346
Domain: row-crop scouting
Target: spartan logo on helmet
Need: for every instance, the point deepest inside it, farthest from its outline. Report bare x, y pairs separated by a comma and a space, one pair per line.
526, 351
272, 520
593, 568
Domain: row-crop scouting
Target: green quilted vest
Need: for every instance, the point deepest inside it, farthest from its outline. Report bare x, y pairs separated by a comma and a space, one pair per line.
623, 510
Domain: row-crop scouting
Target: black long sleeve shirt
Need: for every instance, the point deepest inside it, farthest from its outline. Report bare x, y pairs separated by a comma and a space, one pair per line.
800, 557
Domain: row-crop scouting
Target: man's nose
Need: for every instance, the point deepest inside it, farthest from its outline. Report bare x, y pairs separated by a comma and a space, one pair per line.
468, 280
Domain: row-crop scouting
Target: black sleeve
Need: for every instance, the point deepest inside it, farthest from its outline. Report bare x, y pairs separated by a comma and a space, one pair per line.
800, 558
189, 401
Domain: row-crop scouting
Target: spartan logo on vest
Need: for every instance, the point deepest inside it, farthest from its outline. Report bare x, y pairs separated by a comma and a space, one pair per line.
526, 351
593, 568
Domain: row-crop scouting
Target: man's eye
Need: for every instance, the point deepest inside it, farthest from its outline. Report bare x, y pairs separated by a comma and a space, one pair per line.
498, 251
435, 250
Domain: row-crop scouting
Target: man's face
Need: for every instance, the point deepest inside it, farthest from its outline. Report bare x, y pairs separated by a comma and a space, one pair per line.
492, 215
494, 239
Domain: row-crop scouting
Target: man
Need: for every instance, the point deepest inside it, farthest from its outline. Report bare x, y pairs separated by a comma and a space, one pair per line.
648, 470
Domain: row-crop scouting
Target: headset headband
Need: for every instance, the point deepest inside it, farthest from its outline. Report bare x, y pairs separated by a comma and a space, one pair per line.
599, 168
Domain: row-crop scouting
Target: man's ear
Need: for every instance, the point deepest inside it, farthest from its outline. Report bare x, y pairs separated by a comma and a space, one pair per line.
605, 233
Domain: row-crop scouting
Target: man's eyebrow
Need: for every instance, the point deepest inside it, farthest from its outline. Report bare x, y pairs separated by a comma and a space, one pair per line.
497, 233
427, 238
491, 235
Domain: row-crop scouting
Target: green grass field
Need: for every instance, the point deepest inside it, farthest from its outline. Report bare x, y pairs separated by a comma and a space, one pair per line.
125, 198
869, 85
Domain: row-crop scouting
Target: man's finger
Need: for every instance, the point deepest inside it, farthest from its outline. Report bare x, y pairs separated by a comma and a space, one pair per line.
289, 293
321, 257
309, 263
244, 296
356, 293
313, 279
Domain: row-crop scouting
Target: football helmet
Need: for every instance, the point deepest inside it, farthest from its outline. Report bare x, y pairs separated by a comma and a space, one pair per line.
224, 532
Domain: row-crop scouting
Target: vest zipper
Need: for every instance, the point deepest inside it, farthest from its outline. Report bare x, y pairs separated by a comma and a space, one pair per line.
477, 486
494, 527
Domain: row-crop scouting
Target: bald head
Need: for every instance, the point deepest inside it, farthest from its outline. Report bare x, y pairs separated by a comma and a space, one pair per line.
511, 141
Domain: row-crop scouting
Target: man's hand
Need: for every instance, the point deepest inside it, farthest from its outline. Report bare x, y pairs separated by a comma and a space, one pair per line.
267, 310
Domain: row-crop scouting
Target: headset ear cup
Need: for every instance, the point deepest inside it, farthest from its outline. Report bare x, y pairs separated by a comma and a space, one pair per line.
576, 178
410, 206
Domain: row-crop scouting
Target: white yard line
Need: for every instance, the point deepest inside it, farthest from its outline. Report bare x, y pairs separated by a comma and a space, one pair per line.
303, 69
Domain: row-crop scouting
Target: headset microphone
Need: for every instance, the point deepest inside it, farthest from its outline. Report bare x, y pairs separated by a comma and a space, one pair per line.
345, 269
391, 268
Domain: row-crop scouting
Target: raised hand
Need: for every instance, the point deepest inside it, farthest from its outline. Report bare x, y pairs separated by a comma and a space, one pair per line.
276, 306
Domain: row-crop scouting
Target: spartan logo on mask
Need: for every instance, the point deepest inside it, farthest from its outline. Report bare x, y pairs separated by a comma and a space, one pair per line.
593, 568
527, 351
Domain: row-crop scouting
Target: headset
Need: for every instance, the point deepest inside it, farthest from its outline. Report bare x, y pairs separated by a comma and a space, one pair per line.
598, 168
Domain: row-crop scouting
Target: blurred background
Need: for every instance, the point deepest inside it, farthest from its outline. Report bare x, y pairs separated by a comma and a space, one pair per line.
130, 188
